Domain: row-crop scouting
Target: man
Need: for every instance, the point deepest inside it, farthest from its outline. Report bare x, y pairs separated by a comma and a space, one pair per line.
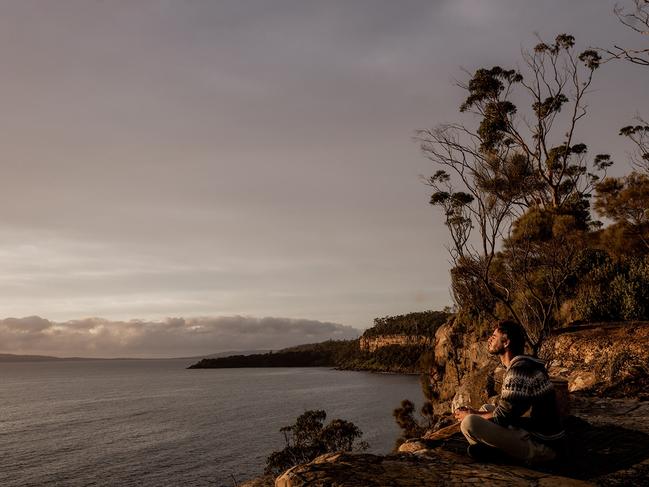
526, 386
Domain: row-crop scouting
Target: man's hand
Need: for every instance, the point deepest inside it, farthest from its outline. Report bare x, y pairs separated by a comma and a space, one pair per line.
463, 411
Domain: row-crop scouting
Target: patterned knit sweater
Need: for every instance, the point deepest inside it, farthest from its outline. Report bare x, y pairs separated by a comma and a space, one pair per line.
527, 387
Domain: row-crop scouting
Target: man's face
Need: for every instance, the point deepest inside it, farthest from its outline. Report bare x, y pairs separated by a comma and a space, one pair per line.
497, 343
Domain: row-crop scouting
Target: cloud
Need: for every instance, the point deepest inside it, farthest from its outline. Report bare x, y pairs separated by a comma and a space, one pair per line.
172, 337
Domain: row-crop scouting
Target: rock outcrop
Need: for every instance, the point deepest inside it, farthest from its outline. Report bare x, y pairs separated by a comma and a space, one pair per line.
404, 470
609, 445
610, 359
373, 343
463, 371
598, 359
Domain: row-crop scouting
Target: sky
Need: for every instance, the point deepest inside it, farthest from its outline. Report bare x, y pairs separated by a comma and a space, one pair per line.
186, 177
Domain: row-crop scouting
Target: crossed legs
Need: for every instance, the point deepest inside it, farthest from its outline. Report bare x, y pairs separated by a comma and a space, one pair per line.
515, 442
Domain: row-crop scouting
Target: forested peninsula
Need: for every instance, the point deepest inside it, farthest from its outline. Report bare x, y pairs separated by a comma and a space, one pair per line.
393, 344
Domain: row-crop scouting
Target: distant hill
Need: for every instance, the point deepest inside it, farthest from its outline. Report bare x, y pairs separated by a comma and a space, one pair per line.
10, 357
225, 354
421, 323
325, 354
409, 336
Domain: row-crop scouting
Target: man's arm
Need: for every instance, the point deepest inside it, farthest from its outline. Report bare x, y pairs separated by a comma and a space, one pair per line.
461, 412
509, 410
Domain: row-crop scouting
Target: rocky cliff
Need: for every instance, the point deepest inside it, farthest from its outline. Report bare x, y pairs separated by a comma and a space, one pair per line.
610, 359
462, 371
610, 436
601, 358
607, 444
373, 343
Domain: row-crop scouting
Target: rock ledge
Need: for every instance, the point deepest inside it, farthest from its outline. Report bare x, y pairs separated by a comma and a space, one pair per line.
408, 470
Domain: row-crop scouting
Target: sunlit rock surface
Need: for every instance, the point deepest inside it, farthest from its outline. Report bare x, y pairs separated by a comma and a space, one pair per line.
610, 446
373, 343
403, 470
610, 436
601, 358
610, 359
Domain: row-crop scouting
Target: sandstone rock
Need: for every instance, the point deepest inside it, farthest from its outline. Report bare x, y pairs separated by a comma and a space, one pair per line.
444, 348
580, 380
475, 388
413, 446
602, 439
610, 359
602, 358
264, 481
430, 440
403, 470
629, 413
464, 372
371, 344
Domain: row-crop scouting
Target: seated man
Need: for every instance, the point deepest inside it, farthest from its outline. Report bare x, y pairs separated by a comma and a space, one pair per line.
526, 386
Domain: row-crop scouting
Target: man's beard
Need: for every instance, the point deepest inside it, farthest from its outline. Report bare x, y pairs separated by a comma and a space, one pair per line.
497, 351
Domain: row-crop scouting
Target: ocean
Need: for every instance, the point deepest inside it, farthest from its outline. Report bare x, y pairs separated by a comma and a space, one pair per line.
155, 423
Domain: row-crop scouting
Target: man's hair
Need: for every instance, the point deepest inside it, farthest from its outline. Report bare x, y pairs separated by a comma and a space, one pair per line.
515, 334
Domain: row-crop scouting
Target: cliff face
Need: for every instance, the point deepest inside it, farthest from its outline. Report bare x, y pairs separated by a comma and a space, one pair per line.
373, 343
463, 371
607, 359
610, 359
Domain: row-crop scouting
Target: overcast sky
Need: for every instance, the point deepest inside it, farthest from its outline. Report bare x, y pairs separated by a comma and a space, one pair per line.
245, 158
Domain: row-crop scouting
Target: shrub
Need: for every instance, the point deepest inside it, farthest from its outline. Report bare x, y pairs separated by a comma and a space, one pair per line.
308, 438
424, 323
405, 418
615, 290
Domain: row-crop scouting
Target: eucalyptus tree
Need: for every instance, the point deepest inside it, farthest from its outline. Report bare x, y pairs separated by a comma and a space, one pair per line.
636, 18
521, 164
625, 201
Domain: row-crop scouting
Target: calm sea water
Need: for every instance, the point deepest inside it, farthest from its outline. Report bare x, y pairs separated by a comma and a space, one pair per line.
154, 423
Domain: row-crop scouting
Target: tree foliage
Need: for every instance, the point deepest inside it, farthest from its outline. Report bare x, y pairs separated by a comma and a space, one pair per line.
613, 289
423, 323
411, 424
625, 200
639, 135
330, 353
514, 189
635, 17
410, 427
309, 438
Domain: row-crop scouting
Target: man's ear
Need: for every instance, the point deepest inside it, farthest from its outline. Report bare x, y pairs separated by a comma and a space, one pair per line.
506, 341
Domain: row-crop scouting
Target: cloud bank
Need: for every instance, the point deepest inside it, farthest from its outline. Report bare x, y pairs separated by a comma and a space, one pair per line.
172, 337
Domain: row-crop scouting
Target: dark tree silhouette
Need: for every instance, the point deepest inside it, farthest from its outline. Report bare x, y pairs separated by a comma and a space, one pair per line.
521, 159
638, 134
636, 18
625, 200
308, 438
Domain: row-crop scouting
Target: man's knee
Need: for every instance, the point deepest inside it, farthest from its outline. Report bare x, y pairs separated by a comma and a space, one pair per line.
470, 424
